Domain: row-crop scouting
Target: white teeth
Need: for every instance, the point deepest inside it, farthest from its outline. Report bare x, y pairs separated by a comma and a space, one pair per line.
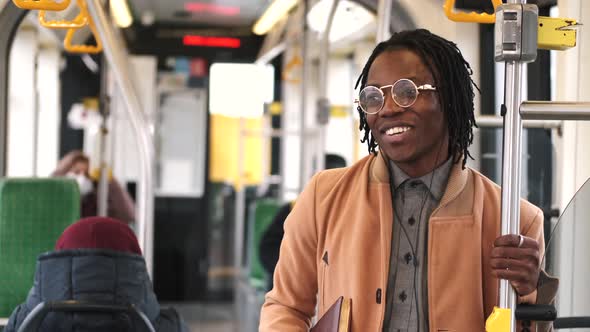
396, 130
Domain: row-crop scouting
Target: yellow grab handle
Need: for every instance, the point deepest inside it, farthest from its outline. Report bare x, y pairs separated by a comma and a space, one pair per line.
78, 22
54, 5
470, 17
91, 49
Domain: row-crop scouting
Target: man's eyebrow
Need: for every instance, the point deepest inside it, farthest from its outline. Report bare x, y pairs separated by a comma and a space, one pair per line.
374, 84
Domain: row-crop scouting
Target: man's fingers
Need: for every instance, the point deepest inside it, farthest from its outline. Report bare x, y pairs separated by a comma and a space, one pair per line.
511, 275
511, 264
515, 253
513, 240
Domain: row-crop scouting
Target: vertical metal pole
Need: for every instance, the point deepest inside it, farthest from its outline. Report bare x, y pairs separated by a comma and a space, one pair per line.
240, 200
36, 115
10, 19
239, 224
323, 104
511, 167
116, 55
303, 176
103, 181
384, 20
104, 110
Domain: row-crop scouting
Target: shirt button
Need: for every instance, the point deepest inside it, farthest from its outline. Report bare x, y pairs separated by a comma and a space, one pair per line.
408, 258
414, 184
403, 296
411, 221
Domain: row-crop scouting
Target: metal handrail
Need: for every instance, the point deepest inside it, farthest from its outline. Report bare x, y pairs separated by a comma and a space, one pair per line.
542, 110
116, 56
35, 318
493, 121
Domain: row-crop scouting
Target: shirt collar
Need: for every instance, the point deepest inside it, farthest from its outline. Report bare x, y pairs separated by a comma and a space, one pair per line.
435, 180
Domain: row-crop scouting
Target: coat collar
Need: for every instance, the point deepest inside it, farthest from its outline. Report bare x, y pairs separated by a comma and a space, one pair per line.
457, 178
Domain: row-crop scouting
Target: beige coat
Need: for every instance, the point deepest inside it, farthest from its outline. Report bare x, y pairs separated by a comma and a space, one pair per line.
348, 214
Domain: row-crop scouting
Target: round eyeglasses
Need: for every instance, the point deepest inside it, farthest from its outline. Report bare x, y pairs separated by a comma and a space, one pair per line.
404, 93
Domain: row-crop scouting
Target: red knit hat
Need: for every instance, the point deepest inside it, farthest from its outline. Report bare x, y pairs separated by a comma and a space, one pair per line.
100, 233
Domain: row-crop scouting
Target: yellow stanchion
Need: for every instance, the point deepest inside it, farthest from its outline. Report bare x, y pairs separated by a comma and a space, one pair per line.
52, 5
499, 320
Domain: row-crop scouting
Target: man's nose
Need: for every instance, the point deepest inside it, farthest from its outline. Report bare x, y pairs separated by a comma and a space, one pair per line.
390, 106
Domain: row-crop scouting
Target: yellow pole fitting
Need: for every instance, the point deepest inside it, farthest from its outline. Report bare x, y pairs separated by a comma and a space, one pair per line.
53, 5
557, 33
499, 320
472, 17
276, 108
95, 174
293, 64
79, 21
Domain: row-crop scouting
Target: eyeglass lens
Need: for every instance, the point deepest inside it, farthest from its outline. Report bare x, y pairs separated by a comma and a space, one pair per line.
404, 94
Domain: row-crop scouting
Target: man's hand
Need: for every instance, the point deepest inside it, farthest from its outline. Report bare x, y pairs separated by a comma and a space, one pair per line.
517, 259
65, 164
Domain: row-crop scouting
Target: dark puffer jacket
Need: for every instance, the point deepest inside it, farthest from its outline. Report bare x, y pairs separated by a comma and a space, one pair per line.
94, 275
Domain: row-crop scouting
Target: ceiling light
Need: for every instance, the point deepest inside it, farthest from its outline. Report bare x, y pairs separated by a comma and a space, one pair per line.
277, 10
256, 84
148, 18
349, 18
121, 13
200, 7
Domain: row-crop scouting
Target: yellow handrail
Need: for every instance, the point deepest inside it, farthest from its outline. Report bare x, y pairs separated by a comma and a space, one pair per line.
470, 17
92, 49
79, 21
54, 5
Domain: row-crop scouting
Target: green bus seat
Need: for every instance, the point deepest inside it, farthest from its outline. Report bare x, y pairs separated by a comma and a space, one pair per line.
33, 214
261, 216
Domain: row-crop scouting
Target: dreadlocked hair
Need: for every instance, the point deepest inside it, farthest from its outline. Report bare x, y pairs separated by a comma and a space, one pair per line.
452, 78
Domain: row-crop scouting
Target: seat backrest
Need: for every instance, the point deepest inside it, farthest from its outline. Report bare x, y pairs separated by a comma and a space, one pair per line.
33, 214
262, 215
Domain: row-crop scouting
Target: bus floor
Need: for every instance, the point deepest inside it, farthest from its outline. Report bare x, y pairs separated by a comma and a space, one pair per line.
206, 317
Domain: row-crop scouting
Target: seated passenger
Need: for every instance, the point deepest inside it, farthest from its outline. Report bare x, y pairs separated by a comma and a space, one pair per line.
97, 260
76, 165
270, 243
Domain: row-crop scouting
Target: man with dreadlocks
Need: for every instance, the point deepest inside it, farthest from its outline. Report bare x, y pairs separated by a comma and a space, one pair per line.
409, 233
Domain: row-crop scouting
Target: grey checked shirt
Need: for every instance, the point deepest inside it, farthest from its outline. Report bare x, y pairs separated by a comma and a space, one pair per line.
406, 307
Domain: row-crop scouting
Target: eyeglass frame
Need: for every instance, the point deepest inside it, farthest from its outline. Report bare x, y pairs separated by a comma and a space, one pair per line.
425, 87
